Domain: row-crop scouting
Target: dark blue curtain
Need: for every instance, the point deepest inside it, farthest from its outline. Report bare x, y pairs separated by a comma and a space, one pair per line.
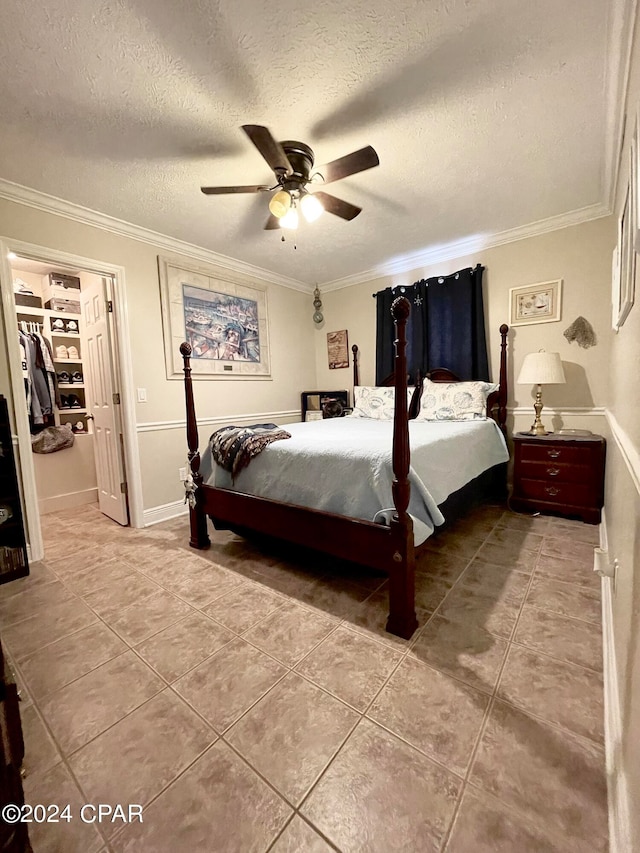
445, 328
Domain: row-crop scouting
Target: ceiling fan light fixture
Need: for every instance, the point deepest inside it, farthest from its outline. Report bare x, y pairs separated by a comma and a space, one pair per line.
280, 203
311, 207
290, 219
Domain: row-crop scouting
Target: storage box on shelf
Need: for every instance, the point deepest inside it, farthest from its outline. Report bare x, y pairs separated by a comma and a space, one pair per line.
61, 293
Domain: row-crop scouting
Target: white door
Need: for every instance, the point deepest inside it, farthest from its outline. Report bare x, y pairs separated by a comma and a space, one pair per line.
103, 402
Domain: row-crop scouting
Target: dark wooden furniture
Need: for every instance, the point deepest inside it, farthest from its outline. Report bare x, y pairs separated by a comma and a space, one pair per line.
559, 474
390, 549
13, 549
324, 403
14, 837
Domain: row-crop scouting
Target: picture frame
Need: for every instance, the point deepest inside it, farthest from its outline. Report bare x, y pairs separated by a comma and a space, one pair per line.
225, 321
338, 349
535, 303
623, 285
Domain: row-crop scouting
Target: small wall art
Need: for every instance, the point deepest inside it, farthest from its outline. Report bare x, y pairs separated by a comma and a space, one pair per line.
535, 303
338, 349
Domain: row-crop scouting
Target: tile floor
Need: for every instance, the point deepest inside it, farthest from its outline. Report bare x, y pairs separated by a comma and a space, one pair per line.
249, 699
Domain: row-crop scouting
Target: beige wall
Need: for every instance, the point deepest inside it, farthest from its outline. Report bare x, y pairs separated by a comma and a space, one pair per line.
290, 324
580, 256
623, 496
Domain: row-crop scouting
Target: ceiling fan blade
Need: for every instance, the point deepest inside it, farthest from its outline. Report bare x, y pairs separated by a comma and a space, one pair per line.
271, 150
350, 164
272, 223
343, 209
256, 188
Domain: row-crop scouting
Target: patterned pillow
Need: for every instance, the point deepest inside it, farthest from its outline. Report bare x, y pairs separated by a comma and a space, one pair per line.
375, 402
454, 401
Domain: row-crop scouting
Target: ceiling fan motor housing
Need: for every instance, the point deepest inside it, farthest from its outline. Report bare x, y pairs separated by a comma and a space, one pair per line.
301, 158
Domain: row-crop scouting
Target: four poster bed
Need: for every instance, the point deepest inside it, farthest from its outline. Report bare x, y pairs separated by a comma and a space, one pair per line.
339, 522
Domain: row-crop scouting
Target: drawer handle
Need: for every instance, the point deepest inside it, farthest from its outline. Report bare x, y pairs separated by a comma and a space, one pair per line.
551, 490
553, 472
553, 453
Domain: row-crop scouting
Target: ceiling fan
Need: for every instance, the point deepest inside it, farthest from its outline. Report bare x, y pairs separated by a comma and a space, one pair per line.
292, 164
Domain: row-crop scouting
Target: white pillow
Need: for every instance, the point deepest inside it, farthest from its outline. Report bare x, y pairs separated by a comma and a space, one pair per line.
454, 401
375, 402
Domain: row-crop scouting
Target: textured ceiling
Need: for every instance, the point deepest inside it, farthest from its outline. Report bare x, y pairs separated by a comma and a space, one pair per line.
486, 114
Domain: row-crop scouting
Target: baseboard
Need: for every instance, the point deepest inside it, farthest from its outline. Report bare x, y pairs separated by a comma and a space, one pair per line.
68, 501
164, 512
618, 794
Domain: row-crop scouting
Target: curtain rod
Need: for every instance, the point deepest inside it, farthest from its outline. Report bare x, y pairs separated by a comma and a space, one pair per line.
477, 268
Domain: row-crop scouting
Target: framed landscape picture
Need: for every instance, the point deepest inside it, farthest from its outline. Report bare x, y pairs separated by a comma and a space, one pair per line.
535, 303
225, 322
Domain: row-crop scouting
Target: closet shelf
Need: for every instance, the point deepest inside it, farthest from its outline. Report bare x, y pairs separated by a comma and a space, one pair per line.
70, 410
68, 360
70, 384
55, 334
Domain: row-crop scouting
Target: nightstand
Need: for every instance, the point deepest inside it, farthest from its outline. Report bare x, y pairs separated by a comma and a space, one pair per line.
317, 405
559, 474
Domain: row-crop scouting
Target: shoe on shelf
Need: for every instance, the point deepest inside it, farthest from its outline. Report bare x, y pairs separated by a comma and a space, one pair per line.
74, 401
72, 326
77, 377
62, 353
64, 402
57, 326
73, 353
63, 377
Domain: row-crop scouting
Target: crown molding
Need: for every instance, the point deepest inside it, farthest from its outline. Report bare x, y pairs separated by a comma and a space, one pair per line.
620, 33
87, 216
469, 246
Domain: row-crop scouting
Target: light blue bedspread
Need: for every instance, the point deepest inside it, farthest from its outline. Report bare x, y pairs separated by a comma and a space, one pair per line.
344, 466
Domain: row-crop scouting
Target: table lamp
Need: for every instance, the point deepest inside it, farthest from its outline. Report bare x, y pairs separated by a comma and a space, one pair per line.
541, 368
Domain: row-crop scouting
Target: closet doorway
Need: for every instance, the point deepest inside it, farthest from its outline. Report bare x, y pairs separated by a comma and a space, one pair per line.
79, 307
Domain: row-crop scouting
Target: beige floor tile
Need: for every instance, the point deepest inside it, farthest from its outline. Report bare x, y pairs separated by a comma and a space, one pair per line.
567, 599
142, 753
88, 706
568, 548
292, 734
32, 601
290, 633
371, 617
489, 609
437, 714
567, 639
96, 576
46, 627
219, 804
508, 555
462, 545
462, 649
562, 693
182, 646
578, 531
430, 591
141, 620
245, 605
485, 825
556, 779
519, 540
109, 600
381, 794
350, 666
39, 575
568, 571
334, 598
54, 666
528, 523
199, 583
228, 683
298, 837
503, 580
56, 787
40, 752
441, 567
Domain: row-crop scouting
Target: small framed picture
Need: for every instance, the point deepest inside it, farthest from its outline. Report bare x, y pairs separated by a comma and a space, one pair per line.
536, 303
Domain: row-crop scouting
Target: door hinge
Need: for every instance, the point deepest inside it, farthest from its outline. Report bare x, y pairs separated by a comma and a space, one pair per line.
116, 399
109, 306
123, 488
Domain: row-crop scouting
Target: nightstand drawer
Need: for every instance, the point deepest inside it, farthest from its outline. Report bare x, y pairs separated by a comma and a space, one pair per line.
573, 494
553, 471
542, 452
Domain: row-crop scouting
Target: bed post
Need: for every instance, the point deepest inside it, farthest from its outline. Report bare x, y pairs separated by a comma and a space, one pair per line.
402, 614
198, 519
356, 378
503, 390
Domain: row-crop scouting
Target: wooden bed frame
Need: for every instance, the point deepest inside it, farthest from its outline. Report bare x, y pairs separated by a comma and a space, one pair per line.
389, 549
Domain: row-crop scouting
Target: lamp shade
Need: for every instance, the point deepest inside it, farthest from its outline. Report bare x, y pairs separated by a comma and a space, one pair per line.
541, 368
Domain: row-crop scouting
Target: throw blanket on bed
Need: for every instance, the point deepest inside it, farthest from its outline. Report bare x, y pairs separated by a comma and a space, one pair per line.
234, 447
